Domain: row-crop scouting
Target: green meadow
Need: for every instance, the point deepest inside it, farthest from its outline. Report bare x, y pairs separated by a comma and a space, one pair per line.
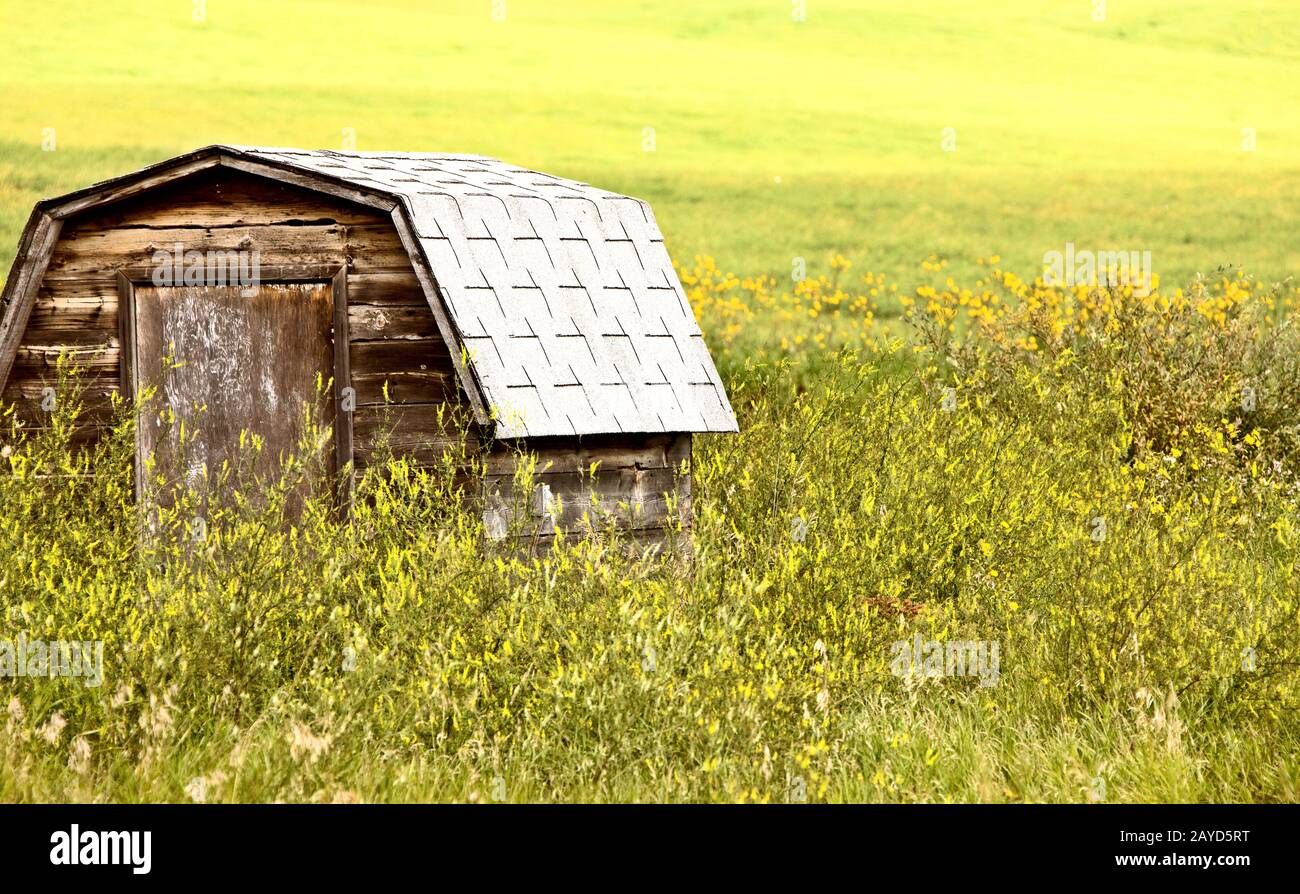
772, 138
1093, 492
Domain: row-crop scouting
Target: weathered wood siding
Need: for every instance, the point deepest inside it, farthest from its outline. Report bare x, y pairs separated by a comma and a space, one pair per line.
642, 482
392, 334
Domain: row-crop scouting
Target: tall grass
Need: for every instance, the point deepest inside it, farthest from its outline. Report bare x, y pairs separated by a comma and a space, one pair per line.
1142, 591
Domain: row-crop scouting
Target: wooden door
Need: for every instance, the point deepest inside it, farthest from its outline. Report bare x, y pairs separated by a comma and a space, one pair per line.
229, 362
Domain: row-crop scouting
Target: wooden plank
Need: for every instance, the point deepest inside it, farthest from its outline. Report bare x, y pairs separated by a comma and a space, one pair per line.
20, 259
288, 259
375, 246
628, 498
266, 273
606, 484
91, 387
30, 399
84, 436
422, 451
99, 285
382, 355
91, 240
23, 294
386, 288
410, 421
36, 359
432, 386
129, 370
367, 322
611, 452
414, 430
86, 338
73, 313
344, 395
85, 251
637, 478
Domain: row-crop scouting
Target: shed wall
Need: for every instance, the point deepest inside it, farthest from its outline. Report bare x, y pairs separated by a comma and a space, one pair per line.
392, 334
393, 341
641, 485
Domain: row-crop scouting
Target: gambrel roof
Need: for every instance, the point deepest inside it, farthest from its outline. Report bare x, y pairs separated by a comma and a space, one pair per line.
571, 316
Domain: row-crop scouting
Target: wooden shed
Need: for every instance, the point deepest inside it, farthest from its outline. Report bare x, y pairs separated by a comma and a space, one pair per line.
546, 309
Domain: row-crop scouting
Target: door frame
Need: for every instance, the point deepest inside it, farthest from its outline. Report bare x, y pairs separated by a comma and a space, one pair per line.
334, 274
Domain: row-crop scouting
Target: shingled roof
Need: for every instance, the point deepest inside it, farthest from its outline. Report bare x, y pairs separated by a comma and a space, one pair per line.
573, 319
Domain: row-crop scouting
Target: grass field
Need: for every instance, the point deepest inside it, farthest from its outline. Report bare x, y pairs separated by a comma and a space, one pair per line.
773, 138
1103, 485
